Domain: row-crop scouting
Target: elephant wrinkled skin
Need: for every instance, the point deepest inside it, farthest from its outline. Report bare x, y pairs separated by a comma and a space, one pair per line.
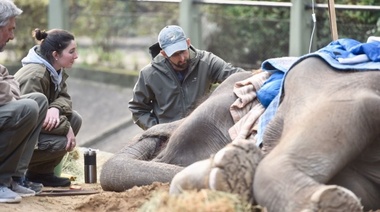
165, 149
321, 151
326, 131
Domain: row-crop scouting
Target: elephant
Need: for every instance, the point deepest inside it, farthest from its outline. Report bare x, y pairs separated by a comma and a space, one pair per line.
320, 152
163, 150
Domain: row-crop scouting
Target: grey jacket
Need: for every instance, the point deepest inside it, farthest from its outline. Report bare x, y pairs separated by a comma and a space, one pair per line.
158, 95
9, 87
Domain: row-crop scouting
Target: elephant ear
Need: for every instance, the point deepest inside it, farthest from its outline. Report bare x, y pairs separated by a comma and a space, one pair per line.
154, 50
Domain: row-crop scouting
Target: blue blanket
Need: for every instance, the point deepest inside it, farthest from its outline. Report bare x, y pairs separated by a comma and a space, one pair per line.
347, 48
342, 48
271, 87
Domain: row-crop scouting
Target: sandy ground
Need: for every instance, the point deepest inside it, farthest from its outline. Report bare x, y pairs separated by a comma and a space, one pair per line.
150, 198
130, 200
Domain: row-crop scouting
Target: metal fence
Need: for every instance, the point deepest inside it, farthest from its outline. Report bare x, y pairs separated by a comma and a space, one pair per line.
248, 46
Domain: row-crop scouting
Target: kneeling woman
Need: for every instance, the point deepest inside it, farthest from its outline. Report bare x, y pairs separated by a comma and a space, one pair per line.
44, 71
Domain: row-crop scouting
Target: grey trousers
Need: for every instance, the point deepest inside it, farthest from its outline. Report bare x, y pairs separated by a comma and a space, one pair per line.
51, 149
20, 125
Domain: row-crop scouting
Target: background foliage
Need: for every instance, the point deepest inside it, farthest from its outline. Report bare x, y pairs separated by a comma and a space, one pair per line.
242, 35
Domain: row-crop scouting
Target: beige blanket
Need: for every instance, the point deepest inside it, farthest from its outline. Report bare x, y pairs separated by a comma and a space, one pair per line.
246, 110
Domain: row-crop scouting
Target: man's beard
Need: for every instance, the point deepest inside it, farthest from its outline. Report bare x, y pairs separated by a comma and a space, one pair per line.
179, 66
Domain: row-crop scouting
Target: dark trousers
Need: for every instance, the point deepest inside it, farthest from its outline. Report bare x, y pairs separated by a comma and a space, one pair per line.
52, 149
20, 124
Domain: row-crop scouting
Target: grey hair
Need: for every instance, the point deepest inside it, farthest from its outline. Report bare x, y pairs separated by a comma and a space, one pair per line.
8, 10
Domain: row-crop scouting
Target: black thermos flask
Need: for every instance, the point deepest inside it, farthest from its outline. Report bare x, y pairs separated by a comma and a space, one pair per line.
90, 166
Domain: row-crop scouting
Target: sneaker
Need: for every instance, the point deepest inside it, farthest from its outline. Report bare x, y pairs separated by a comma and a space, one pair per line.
49, 180
36, 187
21, 190
22, 181
8, 196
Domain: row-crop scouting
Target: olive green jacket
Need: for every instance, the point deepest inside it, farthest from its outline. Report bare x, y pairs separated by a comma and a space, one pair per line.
36, 78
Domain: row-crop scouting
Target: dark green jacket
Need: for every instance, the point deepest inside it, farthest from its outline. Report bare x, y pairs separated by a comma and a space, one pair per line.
159, 97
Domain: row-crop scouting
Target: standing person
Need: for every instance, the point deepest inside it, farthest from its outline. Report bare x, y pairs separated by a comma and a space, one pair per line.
169, 87
44, 71
21, 119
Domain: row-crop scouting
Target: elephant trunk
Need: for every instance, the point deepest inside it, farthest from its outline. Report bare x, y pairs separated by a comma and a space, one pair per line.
132, 167
145, 149
120, 173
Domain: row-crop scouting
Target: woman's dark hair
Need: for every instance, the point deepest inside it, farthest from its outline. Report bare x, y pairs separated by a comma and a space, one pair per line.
52, 40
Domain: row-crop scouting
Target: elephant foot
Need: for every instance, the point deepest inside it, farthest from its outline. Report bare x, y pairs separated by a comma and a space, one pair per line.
234, 167
193, 177
335, 199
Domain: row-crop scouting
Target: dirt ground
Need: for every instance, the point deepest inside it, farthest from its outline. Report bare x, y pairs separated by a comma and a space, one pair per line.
150, 198
130, 200
73, 164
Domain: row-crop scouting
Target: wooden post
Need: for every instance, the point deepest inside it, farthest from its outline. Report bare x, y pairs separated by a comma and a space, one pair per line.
333, 26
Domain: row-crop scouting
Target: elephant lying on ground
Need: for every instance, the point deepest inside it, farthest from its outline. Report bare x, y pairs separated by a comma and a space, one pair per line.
322, 149
165, 149
321, 152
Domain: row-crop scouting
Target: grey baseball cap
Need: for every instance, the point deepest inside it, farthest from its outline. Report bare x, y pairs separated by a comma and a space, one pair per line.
172, 39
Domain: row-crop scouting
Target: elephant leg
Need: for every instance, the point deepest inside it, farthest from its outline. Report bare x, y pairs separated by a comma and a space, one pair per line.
333, 198
365, 189
234, 168
281, 185
363, 177
313, 150
193, 177
231, 170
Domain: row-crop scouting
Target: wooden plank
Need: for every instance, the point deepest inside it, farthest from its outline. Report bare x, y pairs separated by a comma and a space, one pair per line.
333, 26
66, 192
63, 191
